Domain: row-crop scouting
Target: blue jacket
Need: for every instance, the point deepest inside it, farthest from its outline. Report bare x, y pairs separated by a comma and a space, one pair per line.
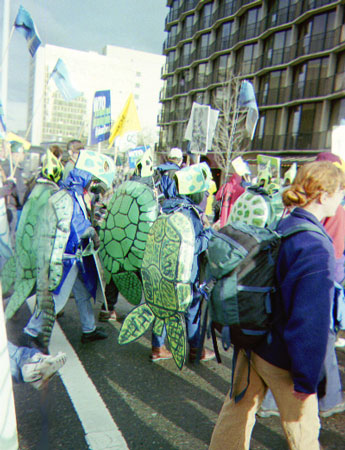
168, 185
301, 306
75, 183
202, 236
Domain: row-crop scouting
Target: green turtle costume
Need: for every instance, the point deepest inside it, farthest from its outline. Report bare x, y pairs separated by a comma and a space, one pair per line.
131, 213
166, 272
23, 267
54, 232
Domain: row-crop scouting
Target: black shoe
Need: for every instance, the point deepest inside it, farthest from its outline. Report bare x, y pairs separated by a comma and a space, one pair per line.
96, 335
35, 342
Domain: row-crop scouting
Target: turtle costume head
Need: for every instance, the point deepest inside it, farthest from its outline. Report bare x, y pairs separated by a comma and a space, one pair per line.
100, 166
52, 169
144, 165
194, 181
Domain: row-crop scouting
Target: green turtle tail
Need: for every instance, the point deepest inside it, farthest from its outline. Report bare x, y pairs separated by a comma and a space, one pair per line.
8, 275
129, 286
176, 333
135, 324
22, 291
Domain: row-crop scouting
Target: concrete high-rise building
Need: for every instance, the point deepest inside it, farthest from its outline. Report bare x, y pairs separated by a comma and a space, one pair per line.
293, 51
121, 70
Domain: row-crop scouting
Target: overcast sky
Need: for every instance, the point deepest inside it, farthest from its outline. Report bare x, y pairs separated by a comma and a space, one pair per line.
82, 25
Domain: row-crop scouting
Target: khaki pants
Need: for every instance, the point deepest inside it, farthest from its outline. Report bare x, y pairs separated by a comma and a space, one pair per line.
235, 423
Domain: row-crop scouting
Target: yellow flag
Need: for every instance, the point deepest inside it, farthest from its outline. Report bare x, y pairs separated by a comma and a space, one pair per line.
11, 137
128, 120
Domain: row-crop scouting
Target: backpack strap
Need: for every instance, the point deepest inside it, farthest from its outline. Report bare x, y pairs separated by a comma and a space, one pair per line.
239, 396
308, 226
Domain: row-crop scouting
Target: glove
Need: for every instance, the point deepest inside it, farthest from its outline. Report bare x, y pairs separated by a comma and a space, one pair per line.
90, 233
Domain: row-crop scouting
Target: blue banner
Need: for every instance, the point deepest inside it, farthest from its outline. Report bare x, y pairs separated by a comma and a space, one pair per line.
134, 154
101, 117
61, 78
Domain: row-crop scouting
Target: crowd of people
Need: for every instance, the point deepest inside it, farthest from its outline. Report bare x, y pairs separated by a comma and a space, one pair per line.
294, 375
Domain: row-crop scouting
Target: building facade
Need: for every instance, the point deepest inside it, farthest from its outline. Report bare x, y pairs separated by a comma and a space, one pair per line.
121, 70
293, 51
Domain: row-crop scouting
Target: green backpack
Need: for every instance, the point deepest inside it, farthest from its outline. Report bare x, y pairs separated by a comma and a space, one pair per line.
240, 279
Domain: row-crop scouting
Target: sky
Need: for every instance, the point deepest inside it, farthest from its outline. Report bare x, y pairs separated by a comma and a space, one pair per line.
81, 25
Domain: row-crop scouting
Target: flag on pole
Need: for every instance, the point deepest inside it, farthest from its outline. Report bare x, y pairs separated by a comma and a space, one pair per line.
62, 81
25, 25
17, 142
246, 99
128, 120
2, 122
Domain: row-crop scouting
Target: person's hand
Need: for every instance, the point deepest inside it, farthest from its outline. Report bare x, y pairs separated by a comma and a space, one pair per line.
91, 233
301, 395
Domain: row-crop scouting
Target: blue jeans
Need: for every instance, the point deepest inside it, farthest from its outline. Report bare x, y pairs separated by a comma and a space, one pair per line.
192, 317
73, 282
18, 357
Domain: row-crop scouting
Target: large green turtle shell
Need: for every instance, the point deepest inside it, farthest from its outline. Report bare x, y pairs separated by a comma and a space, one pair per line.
27, 244
123, 234
167, 265
255, 209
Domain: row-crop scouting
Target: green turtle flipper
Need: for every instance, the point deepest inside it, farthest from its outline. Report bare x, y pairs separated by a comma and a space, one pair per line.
22, 291
8, 275
129, 286
135, 324
176, 334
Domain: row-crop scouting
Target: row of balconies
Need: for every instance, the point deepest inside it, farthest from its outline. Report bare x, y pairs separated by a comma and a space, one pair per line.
320, 87
306, 46
292, 141
224, 11
244, 33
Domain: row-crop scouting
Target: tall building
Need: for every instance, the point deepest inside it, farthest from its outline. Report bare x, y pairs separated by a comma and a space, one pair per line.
121, 70
293, 51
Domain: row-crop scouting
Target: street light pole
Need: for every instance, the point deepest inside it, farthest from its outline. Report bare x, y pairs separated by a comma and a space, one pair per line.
5, 43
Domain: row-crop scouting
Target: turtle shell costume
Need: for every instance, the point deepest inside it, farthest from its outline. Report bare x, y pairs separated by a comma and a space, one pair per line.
61, 231
167, 272
124, 231
22, 269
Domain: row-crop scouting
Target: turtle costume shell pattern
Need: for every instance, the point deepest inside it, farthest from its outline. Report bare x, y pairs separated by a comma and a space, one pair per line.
25, 259
123, 234
166, 274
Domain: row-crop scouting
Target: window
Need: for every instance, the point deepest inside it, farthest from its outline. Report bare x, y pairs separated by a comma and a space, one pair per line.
220, 67
206, 16
203, 45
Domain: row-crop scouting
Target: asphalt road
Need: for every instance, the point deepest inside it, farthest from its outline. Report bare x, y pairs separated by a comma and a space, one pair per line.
153, 405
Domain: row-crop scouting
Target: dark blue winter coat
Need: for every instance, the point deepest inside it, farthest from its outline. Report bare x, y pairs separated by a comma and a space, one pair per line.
301, 306
202, 235
168, 185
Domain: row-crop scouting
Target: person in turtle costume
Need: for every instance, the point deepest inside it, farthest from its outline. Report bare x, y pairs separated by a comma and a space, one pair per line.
170, 273
20, 271
166, 171
123, 234
64, 262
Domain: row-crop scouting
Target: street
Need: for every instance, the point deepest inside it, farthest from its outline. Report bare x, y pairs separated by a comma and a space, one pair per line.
113, 397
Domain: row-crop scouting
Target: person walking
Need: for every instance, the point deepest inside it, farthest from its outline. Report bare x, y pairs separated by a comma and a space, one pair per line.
291, 362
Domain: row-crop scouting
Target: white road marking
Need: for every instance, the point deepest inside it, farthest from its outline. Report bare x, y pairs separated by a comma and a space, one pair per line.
101, 432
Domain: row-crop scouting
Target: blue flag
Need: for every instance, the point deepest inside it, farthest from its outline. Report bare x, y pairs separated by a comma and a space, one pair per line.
2, 122
246, 99
25, 25
62, 81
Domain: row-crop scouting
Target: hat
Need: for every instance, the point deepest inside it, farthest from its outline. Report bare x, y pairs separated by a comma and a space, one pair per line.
175, 153
99, 165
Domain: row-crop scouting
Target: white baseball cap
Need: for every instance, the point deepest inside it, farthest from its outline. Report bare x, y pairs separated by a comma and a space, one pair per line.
176, 153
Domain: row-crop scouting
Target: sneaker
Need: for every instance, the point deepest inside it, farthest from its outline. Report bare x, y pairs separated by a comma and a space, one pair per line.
329, 412
96, 335
107, 316
339, 343
206, 355
40, 368
264, 413
159, 353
